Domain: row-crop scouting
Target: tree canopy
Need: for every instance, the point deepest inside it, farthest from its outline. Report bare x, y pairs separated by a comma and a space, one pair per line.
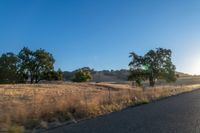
9, 68
28, 65
155, 64
82, 75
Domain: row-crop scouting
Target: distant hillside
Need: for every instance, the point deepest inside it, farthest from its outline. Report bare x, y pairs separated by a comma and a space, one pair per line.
102, 76
183, 74
110, 76
118, 75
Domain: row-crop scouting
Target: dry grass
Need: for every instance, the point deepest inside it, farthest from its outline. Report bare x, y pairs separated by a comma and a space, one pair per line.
34, 106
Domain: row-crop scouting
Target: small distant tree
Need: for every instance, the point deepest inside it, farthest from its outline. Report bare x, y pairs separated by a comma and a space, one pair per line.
156, 64
91, 70
82, 75
53, 75
59, 74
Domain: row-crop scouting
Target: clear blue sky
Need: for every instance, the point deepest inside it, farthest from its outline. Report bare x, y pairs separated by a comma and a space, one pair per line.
101, 33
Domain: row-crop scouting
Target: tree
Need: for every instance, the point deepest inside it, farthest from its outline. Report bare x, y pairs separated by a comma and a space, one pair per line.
9, 68
35, 64
82, 75
91, 70
59, 74
156, 64
43, 63
54, 75
27, 64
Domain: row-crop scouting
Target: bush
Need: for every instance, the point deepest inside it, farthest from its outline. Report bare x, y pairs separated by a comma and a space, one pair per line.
82, 76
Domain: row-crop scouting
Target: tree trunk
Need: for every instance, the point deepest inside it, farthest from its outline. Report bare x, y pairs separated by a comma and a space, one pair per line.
151, 80
32, 80
37, 80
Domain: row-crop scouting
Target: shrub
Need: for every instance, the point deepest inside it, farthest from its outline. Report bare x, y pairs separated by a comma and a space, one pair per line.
82, 75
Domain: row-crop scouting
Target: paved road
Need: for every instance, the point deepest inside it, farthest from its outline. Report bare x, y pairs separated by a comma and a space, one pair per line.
178, 114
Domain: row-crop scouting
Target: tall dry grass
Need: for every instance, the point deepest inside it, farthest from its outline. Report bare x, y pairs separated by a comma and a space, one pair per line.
37, 106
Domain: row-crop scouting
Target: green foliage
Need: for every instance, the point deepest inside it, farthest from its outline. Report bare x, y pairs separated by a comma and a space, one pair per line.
137, 75
156, 64
54, 75
59, 74
82, 75
28, 65
35, 64
9, 68
43, 63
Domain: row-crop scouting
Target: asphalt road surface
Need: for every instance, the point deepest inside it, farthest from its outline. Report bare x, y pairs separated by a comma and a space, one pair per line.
177, 114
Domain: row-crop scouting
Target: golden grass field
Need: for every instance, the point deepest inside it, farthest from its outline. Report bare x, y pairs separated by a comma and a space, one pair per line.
25, 106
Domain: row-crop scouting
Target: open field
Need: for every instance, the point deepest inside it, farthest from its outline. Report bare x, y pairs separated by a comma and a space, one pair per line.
48, 105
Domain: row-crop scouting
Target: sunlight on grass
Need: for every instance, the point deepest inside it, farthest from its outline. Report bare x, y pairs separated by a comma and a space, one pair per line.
38, 106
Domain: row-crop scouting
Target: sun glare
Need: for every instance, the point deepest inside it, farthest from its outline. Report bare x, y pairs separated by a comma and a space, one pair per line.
194, 66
